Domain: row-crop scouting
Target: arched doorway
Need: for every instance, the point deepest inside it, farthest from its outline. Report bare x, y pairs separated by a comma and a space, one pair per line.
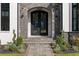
39, 23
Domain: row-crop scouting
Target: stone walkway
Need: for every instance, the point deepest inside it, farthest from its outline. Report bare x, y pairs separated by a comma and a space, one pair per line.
39, 48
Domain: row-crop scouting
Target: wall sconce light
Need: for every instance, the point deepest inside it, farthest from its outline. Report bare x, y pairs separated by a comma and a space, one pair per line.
22, 16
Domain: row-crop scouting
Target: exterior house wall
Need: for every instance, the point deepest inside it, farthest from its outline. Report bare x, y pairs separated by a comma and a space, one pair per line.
25, 21
6, 36
20, 20
69, 35
58, 18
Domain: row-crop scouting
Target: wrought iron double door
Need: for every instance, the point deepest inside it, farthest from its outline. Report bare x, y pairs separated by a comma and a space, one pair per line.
39, 23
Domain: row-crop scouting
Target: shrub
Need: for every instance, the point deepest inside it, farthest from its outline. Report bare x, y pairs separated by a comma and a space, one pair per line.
19, 41
56, 49
75, 48
13, 47
61, 42
76, 42
17, 44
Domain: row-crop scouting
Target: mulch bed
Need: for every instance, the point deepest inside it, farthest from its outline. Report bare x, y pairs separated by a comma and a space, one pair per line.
68, 51
3, 50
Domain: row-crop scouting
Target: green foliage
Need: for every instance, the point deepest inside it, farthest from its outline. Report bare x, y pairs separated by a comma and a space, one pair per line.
11, 54
17, 44
76, 42
56, 49
19, 41
75, 48
61, 42
13, 47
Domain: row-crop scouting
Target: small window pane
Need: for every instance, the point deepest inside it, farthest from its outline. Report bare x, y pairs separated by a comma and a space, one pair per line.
74, 17
4, 16
5, 13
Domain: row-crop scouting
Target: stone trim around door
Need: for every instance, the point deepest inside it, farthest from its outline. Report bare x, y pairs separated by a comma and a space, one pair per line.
49, 21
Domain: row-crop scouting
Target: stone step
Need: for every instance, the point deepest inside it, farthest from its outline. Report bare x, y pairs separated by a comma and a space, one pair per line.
39, 40
39, 46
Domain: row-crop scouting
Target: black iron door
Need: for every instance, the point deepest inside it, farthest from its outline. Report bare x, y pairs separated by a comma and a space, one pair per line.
39, 23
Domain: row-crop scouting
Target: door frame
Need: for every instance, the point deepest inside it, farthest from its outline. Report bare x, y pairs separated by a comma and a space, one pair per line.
49, 21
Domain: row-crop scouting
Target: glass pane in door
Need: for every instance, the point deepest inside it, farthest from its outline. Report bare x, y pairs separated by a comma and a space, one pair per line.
35, 29
44, 23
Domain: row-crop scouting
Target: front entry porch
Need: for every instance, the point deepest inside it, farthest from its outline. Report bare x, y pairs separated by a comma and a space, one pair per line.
38, 26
